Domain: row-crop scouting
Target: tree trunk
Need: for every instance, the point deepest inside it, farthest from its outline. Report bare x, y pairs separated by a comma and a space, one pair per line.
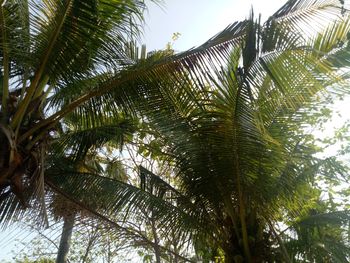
65, 239
176, 260
88, 247
156, 247
157, 253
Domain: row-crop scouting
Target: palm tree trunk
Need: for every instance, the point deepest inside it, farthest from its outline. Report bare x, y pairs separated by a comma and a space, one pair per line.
65, 239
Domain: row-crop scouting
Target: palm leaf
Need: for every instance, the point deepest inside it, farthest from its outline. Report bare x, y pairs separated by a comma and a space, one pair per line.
113, 196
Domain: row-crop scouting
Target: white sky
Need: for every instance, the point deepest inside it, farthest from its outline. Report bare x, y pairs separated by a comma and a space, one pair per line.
198, 20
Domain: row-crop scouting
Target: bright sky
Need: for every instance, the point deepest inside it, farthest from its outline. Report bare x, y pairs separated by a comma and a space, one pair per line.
198, 20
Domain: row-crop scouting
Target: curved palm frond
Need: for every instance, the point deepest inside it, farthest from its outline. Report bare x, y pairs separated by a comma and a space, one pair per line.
113, 196
309, 16
77, 141
319, 236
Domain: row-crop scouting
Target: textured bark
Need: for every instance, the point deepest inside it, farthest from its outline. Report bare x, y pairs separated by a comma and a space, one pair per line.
65, 239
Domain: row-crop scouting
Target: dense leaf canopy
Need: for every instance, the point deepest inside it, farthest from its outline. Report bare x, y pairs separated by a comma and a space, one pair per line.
230, 118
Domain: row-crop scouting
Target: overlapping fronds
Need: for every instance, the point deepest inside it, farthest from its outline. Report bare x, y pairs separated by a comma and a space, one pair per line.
309, 16
319, 236
234, 125
78, 142
113, 197
230, 113
42, 45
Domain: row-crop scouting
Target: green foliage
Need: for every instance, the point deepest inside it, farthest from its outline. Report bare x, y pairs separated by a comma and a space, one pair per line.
231, 118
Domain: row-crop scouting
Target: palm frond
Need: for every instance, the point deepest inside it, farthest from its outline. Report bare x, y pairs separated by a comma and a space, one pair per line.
315, 241
79, 137
113, 196
309, 16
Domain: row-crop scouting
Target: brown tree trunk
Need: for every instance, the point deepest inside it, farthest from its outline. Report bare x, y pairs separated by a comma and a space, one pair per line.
65, 239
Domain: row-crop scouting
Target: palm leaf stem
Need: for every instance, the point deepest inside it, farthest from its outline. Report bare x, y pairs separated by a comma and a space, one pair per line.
242, 216
26, 25
20, 113
242, 212
53, 119
280, 242
231, 212
6, 65
41, 86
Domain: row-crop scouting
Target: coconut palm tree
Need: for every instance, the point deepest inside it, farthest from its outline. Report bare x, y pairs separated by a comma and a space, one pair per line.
47, 47
230, 116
